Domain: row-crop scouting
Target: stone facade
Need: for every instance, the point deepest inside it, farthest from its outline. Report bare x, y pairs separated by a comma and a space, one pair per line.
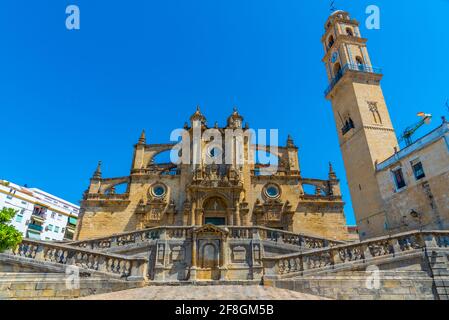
234, 194
423, 201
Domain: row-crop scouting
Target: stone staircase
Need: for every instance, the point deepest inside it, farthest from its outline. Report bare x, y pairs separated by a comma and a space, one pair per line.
412, 265
289, 241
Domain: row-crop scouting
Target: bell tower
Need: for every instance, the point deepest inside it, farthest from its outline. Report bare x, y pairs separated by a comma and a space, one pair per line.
365, 131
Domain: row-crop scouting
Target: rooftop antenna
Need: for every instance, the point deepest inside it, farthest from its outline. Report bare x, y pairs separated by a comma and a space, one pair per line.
332, 6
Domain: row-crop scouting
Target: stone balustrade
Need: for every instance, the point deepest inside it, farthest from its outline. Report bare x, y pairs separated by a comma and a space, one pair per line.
184, 232
132, 268
104, 196
304, 241
132, 237
298, 264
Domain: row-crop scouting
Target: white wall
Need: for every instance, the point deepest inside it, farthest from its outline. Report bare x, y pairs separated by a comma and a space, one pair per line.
23, 200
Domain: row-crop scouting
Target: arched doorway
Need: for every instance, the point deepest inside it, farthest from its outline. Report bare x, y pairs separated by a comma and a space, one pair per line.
215, 211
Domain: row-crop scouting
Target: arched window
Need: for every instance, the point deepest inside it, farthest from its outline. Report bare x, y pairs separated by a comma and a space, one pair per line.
375, 112
331, 41
348, 125
349, 32
337, 70
360, 63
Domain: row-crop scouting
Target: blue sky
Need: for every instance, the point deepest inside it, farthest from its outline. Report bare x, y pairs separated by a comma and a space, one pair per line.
71, 98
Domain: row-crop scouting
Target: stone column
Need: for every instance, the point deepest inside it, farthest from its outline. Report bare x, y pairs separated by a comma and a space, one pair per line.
223, 258
199, 216
193, 266
185, 218
192, 217
238, 222
230, 217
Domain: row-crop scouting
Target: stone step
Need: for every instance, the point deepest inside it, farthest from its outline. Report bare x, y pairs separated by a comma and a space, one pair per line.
215, 292
206, 283
54, 286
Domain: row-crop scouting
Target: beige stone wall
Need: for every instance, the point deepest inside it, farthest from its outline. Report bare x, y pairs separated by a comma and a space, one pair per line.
319, 218
330, 225
361, 147
415, 196
99, 221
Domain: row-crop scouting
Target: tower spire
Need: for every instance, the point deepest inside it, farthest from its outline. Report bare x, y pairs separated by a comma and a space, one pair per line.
235, 119
142, 139
332, 174
290, 142
97, 173
198, 116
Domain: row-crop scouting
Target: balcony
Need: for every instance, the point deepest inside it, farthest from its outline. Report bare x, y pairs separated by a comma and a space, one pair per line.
35, 227
353, 67
347, 127
39, 216
39, 213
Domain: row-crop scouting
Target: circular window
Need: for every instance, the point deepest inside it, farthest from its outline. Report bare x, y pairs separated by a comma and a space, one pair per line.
158, 191
272, 191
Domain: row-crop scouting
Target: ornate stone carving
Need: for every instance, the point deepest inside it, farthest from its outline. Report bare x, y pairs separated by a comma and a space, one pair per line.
239, 254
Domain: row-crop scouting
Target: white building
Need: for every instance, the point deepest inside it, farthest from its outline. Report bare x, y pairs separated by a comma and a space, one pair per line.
40, 215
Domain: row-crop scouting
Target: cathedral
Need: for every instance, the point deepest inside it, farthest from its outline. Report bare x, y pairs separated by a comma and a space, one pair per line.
231, 194
392, 190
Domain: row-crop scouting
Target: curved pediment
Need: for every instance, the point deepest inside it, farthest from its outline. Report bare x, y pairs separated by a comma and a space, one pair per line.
211, 229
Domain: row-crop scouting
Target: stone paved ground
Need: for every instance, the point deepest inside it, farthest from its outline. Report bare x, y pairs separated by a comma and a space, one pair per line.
217, 292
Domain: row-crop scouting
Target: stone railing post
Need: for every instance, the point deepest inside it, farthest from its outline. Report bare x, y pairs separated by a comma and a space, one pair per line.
335, 257
429, 240
39, 253
394, 243
256, 233
138, 237
113, 240
279, 236
366, 252
163, 235
270, 268
139, 270
102, 264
